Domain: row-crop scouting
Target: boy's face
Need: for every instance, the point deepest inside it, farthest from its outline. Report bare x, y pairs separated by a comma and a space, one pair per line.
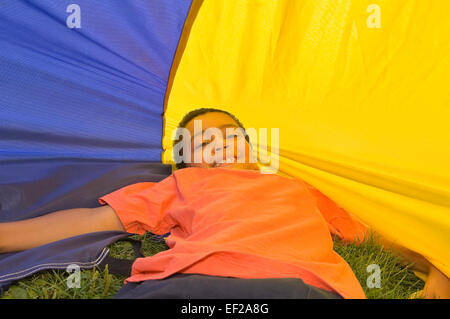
233, 152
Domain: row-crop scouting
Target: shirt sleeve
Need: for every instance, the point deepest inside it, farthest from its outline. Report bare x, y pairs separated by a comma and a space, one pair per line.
143, 206
340, 222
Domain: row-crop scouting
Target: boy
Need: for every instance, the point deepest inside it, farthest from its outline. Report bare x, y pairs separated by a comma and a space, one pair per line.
228, 223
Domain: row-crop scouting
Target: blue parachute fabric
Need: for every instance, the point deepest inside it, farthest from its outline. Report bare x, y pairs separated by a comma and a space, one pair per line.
33, 188
87, 78
82, 89
85, 251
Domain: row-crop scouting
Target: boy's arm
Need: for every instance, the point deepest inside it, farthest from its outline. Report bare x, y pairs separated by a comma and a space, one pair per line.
29, 233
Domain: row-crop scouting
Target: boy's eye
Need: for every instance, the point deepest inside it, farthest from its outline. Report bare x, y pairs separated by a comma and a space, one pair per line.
202, 145
235, 136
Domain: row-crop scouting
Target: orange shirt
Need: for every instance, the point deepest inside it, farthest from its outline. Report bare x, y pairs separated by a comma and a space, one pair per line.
239, 223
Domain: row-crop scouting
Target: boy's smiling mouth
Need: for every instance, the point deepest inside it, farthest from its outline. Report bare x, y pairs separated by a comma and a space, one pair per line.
227, 162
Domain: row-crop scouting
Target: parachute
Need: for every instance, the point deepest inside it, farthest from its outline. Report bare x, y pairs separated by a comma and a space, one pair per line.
356, 89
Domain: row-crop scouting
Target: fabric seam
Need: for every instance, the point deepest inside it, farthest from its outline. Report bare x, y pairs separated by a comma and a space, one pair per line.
29, 271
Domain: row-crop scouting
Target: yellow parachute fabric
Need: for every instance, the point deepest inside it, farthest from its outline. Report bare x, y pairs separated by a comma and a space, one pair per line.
360, 92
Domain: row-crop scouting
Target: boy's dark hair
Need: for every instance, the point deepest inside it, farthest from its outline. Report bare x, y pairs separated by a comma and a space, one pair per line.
192, 114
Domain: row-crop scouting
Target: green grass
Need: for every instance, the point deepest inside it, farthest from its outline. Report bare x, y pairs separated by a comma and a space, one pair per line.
94, 283
397, 280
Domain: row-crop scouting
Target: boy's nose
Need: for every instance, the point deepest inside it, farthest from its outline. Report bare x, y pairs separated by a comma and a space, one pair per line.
222, 158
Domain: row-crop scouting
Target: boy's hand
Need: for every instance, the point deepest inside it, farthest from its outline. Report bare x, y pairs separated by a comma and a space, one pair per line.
437, 285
